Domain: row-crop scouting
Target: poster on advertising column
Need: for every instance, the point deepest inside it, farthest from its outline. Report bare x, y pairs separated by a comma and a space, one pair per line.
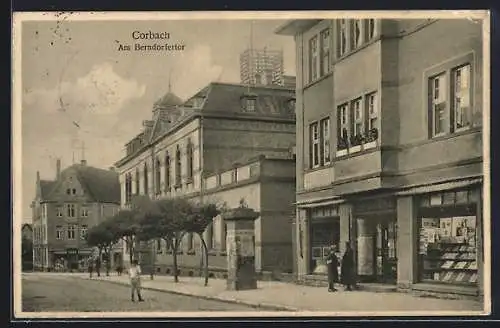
245, 242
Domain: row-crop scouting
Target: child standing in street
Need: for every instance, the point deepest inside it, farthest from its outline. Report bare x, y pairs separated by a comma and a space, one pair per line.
135, 280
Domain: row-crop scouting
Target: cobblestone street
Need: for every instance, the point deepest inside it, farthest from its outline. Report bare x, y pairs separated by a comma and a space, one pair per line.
72, 294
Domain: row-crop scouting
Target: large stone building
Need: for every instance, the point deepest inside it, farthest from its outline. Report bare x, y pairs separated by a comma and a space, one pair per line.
227, 142
65, 208
389, 149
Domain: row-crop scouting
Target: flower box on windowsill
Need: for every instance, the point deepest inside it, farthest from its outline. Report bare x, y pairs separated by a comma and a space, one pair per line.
355, 149
370, 145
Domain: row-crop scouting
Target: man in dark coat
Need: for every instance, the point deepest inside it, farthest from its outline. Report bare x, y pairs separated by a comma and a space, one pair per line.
332, 263
347, 270
90, 267
98, 266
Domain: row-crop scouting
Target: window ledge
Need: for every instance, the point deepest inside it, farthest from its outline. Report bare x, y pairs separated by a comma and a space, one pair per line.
319, 79
223, 253
212, 252
351, 52
191, 252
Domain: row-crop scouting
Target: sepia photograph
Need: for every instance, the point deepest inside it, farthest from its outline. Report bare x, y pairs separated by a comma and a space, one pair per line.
236, 164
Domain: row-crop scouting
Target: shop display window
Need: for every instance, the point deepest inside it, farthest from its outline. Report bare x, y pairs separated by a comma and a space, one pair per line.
324, 233
448, 241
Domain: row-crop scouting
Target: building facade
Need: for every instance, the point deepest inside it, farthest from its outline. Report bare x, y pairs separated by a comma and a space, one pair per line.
389, 149
65, 208
204, 147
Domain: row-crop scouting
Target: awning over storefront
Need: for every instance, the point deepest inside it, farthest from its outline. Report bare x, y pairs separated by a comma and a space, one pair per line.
310, 203
436, 187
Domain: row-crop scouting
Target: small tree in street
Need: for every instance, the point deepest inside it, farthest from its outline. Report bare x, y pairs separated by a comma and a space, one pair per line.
124, 226
103, 237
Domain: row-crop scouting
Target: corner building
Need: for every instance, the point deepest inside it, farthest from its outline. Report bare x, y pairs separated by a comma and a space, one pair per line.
389, 150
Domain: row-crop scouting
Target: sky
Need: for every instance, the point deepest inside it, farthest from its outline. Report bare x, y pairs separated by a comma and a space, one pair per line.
72, 72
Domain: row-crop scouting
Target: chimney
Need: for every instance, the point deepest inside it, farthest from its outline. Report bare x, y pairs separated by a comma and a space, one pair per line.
83, 162
58, 168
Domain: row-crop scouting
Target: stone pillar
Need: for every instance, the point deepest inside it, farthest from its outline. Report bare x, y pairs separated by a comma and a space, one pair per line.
406, 242
345, 226
365, 247
241, 273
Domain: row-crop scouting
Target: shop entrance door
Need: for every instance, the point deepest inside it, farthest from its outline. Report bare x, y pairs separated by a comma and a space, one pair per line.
385, 264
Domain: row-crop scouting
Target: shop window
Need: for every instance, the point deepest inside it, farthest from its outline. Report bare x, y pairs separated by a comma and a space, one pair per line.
448, 240
324, 233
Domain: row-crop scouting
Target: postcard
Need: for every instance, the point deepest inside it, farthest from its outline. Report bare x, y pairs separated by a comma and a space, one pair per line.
172, 164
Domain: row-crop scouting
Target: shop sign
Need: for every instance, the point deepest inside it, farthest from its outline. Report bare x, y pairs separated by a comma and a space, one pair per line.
72, 251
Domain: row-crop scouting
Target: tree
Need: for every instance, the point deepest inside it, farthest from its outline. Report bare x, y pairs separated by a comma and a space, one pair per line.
125, 226
103, 237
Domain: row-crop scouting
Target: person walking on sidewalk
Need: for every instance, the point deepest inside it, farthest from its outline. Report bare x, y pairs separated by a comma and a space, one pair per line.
332, 263
135, 280
347, 271
90, 267
98, 266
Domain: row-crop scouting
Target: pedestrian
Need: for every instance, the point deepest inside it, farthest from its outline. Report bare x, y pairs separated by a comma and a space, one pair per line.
90, 267
347, 271
98, 266
119, 269
135, 280
332, 263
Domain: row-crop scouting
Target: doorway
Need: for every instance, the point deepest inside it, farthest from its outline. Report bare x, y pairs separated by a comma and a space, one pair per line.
376, 248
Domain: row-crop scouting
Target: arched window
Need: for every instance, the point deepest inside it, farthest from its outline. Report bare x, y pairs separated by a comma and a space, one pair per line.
128, 187
137, 182
178, 166
167, 173
189, 153
146, 182
158, 177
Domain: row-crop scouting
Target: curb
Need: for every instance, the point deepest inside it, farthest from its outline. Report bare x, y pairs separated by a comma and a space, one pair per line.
271, 307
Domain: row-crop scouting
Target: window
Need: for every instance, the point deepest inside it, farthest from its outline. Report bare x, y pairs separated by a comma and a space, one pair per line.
213, 240
68, 191
370, 29
59, 212
372, 110
461, 97
313, 59
70, 210
358, 117
178, 167
250, 105
167, 173
44, 211
85, 212
73, 191
137, 182
128, 187
83, 232
159, 248
325, 52
59, 232
342, 37
325, 145
343, 127
158, 177
224, 235
189, 159
190, 241
291, 106
356, 33
438, 104
146, 182
314, 151
71, 232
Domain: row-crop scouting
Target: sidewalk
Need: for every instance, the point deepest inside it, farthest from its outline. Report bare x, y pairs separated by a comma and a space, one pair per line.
272, 295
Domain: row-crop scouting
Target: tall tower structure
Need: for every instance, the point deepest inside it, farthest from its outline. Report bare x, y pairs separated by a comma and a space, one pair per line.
261, 67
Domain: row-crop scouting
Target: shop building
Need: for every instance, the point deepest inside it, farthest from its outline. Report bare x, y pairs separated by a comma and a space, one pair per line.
389, 150
63, 210
226, 142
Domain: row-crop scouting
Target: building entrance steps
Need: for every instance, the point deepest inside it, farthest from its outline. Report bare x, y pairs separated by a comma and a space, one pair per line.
272, 295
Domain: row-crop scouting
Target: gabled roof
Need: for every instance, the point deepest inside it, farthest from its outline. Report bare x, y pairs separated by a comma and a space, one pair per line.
46, 187
103, 186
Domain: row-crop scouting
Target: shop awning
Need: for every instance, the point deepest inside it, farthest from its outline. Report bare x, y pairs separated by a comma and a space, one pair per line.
310, 203
423, 189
